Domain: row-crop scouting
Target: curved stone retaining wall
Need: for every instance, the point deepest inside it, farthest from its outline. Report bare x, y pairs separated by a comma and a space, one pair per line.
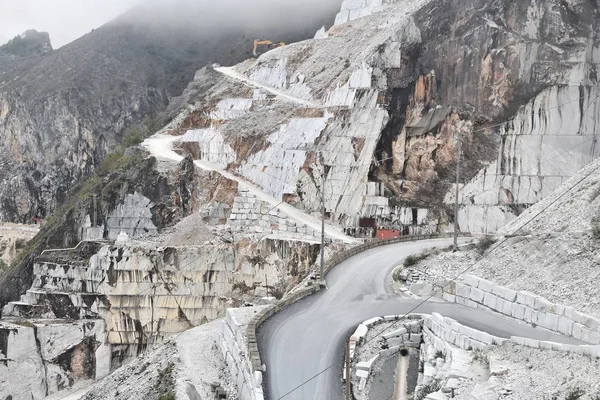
524, 306
300, 293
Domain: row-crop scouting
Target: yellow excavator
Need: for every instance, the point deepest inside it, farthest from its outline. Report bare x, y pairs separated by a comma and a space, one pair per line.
262, 46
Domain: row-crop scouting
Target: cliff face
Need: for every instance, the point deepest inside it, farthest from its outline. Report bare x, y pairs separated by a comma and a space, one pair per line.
382, 99
142, 251
62, 111
530, 70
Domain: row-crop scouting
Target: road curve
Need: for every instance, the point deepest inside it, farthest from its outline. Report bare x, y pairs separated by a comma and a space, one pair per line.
306, 338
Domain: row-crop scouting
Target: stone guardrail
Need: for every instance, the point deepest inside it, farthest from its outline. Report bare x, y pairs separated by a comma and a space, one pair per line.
59, 250
478, 293
260, 318
19, 229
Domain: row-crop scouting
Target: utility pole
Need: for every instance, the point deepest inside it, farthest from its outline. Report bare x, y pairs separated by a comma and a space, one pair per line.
323, 177
267, 285
348, 383
95, 222
456, 205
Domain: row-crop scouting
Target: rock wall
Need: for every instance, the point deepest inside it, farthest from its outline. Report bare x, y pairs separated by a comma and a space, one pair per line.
40, 358
233, 342
524, 306
548, 141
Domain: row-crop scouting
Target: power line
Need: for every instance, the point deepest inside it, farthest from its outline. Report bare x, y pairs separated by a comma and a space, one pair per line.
436, 292
321, 144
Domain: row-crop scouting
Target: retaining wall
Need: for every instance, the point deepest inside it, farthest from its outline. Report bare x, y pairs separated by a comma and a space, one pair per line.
303, 292
524, 306
232, 342
242, 354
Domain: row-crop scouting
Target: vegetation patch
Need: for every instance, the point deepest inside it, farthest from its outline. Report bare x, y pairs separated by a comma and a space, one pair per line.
484, 244
413, 260
165, 383
426, 390
481, 356
574, 394
596, 227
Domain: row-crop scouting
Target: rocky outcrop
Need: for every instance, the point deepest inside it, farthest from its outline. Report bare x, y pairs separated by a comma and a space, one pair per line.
29, 43
95, 211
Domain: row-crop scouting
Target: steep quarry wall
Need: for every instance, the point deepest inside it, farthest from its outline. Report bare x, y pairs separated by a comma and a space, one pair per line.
548, 141
532, 64
371, 112
301, 134
147, 294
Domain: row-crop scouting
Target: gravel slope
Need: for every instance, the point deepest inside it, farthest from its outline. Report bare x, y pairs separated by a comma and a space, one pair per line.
553, 253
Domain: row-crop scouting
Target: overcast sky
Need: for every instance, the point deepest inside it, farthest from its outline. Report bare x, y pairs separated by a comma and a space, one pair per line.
65, 20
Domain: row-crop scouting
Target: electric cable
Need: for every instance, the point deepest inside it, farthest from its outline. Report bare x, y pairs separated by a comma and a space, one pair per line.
436, 292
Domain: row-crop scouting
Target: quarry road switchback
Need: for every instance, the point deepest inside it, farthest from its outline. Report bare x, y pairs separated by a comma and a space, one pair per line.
308, 337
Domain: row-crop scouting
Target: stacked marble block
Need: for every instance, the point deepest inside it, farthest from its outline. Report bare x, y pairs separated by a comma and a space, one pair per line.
251, 215
445, 332
524, 306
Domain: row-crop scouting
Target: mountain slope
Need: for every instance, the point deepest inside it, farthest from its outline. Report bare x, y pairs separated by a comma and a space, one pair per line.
63, 111
552, 249
390, 90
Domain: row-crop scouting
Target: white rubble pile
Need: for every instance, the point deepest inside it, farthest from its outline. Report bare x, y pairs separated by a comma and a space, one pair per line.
554, 252
524, 373
193, 357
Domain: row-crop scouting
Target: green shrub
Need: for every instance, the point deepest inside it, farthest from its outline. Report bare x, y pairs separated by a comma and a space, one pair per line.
410, 261
596, 227
484, 244
413, 260
426, 390
133, 136
574, 394
167, 396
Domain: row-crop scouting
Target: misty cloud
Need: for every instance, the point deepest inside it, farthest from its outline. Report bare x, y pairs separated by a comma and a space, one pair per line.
65, 20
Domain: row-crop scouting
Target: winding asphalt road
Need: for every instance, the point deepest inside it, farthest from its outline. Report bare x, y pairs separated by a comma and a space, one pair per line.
309, 336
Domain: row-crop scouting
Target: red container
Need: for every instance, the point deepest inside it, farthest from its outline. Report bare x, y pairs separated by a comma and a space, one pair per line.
384, 234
